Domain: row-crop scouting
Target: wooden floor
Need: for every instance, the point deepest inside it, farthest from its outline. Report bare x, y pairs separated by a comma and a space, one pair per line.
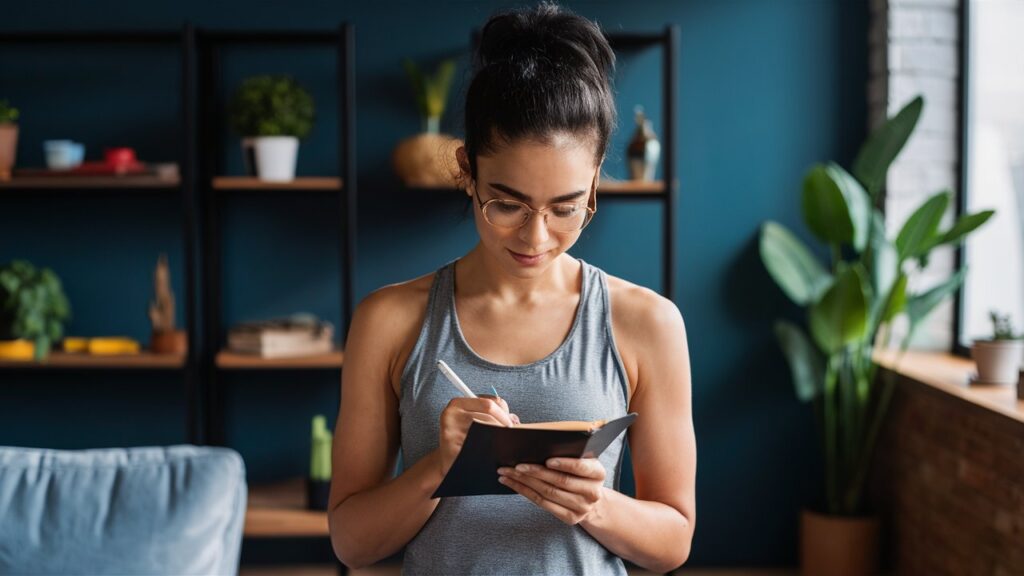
395, 570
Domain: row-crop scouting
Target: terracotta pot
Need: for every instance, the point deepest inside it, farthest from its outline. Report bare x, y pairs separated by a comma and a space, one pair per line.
998, 361
427, 161
838, 545
168, 342
8, 149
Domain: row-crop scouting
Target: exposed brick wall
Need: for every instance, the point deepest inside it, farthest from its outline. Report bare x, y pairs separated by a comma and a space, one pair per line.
950, 482
914, 50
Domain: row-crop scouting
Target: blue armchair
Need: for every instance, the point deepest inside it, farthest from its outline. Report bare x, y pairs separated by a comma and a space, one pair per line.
173, 510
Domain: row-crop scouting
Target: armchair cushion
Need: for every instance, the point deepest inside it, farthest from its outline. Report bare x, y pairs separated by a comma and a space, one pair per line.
170, 510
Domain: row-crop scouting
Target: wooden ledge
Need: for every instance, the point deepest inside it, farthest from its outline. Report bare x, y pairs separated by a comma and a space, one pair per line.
951, 374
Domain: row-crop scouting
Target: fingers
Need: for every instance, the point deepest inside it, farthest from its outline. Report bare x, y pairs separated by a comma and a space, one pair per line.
585, 467
564, 506
494, 407
571, 491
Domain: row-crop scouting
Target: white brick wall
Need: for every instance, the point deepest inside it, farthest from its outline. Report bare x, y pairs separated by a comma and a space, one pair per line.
914, 48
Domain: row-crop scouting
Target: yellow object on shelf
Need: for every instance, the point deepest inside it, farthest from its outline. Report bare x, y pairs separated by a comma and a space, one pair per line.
72, 344
17, 349
113, 346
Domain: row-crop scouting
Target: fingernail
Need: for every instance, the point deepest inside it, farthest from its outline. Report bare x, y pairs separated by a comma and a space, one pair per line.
503, 471
523, 467
502, 480
554, 462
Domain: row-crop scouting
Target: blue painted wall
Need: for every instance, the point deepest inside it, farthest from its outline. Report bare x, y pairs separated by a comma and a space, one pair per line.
767, 87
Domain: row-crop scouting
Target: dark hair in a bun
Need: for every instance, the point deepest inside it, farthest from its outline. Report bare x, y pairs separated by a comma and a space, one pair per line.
538, 72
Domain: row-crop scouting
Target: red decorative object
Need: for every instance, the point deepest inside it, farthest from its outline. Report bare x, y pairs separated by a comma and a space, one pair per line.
121, 159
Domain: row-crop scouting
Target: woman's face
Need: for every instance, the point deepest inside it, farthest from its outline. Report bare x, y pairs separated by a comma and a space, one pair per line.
538, 174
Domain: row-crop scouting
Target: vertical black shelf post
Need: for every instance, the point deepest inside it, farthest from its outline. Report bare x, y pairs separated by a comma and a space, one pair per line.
347, 162
671, 46
193, 426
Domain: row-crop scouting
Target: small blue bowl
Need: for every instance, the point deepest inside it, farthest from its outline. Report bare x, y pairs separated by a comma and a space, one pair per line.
63, 154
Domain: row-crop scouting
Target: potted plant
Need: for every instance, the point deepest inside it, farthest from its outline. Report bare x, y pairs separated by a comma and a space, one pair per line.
8, 139
427, 159
272, 113
851, 304
33, 308
998, 358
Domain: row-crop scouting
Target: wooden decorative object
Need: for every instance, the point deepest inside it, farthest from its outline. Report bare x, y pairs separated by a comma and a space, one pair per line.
165, 339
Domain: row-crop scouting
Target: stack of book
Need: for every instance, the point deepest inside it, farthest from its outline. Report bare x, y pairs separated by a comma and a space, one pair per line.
282, 338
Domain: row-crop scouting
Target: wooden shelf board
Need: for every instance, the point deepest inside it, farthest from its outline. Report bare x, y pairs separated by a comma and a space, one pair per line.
234, 361
88, 182
59, 360
631, 187
952, 375
279, 511
303, 183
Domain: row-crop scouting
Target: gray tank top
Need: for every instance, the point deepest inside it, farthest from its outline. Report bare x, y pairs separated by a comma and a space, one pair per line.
583, 379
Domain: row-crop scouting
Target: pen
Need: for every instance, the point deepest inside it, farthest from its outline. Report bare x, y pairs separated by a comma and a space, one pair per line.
454, 379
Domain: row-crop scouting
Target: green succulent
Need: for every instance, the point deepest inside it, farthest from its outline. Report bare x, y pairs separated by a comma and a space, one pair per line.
431, 90
1002, 329
855, 299
32, 305
8, 113
272, 106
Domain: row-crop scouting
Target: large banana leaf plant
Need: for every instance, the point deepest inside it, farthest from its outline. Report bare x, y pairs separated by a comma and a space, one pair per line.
852, 301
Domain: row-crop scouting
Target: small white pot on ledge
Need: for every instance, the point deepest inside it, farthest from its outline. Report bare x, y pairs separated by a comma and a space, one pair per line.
275, 158
998, 361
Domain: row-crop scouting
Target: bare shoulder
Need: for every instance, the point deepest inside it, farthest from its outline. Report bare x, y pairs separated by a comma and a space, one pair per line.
388, 320
647, 327
641, 311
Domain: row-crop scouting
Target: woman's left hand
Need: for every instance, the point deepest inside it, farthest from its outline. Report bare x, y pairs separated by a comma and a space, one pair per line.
569, 488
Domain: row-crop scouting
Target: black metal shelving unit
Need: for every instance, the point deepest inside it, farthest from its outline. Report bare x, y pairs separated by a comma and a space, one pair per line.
184, 39
210, 44
668, 41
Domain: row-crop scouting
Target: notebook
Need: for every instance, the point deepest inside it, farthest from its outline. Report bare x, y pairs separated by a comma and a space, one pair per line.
489, 446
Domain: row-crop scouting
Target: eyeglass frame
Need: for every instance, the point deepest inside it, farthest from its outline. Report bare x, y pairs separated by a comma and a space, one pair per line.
531, 211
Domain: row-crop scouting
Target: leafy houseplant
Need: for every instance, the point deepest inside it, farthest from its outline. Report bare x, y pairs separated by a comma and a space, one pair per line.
8, 138
998, 358
32, 305
428, 159
274, 112
852, 302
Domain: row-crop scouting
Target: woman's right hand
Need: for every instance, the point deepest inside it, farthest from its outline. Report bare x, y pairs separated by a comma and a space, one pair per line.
457, 417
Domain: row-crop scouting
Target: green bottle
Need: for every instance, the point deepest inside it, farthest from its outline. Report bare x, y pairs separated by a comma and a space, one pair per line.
319, 481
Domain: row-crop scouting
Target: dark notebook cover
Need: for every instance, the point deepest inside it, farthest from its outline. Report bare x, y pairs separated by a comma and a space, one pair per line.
475, 470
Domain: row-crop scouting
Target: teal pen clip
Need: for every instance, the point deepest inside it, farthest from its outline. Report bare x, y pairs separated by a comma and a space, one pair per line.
495, 390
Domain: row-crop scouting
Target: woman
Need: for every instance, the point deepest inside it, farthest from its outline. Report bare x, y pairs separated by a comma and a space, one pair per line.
558, 339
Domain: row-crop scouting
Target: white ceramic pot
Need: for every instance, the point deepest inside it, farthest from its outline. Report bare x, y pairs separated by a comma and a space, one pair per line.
275, 158
998, 361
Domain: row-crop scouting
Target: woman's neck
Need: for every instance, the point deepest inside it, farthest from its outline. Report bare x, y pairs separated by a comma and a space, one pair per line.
478, 274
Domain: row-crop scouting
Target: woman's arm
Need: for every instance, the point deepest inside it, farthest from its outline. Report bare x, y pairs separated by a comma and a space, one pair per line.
373, 515
655, 529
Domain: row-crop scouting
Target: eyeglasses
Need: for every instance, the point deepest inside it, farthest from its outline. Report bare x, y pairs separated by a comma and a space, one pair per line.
562, 217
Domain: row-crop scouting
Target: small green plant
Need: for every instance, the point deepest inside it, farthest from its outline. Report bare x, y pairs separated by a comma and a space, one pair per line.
431, 91
32, 305
320, 453
850, 305
272, 106
8, 113
1002, 329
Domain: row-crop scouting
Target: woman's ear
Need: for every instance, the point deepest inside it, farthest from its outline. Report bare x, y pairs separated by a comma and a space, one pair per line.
465, 177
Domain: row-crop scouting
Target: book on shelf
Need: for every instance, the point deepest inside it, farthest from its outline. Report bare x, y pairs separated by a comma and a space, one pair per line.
282, 338
488, 447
